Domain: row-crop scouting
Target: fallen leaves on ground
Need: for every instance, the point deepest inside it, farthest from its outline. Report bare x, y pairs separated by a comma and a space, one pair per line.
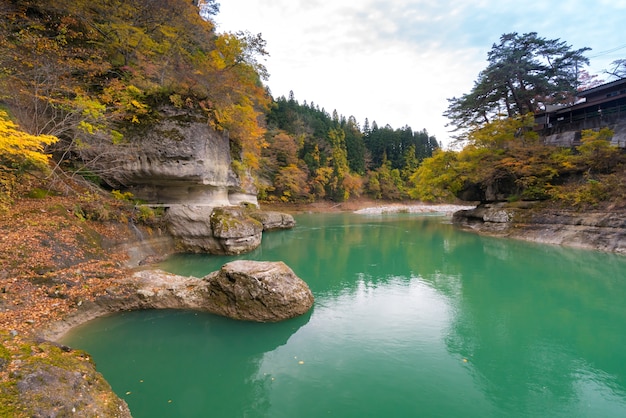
52, 261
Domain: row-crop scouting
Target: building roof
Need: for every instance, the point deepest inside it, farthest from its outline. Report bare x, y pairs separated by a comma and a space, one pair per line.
606, 86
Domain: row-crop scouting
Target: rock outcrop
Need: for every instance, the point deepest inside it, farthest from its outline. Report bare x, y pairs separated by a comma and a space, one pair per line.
259, 291
56, 381
178, 160
183, 165
271, 220
221, 230
598, 230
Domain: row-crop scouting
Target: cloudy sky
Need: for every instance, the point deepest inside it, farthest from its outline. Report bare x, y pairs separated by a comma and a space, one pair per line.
397, 61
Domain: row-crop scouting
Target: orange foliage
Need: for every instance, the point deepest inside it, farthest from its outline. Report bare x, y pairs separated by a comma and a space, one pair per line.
129, 56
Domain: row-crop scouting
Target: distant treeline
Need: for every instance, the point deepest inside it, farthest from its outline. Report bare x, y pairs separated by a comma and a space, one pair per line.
311, 154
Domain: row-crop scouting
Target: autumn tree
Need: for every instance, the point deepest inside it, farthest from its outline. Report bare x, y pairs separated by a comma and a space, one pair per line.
95, 73
437, 179
19, 151
588, 81
385, 183
597, 154
322, 150
291, 183
503, 159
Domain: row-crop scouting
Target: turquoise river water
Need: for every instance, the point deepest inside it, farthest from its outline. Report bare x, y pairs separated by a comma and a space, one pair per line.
412, 318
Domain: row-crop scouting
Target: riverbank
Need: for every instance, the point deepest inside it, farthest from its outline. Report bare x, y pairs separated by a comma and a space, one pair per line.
54, 258
365, 206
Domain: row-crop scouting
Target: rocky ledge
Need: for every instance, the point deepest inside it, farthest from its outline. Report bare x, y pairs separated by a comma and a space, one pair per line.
260, 291
225, 230
597, 230
54, 381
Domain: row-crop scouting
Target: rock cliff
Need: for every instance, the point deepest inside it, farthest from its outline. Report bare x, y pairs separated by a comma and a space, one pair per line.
597, 230
181, 164
179, 160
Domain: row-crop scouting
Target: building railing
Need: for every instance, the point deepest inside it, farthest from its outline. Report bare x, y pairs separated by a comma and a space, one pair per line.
587, 120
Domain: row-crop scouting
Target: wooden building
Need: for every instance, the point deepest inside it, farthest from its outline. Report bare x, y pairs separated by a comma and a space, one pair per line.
595, 108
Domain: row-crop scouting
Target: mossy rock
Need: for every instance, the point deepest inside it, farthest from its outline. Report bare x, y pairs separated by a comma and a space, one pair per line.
233, 223
52, 380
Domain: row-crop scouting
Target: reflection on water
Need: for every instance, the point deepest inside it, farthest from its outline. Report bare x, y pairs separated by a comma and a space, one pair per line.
412, 318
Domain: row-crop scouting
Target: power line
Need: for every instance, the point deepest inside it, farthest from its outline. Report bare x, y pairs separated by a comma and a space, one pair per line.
608, 51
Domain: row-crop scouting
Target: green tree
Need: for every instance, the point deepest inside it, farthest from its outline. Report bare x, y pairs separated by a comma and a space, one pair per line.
339, 163
523, 73
385, 183
355, 146
411, 163
437, 179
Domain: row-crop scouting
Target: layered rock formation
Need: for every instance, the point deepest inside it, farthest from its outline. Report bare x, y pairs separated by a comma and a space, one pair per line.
271, 220
181, 164
179, 160
225, 230
598, 230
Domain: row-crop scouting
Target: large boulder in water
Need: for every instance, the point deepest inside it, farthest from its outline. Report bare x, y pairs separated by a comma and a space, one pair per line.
258, 291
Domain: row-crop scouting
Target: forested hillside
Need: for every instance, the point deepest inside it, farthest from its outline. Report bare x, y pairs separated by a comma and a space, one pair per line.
313, 155
96, 74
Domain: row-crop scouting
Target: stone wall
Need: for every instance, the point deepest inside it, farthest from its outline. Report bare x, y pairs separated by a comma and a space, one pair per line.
568, 135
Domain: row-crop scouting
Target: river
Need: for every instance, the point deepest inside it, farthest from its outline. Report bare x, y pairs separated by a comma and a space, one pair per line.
412, 318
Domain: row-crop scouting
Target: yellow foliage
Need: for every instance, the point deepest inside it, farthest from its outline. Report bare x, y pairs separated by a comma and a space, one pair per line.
438, 178
500, 132
19, 149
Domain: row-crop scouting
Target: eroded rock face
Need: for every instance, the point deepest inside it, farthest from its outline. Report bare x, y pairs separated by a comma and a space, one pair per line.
184, 165
598, 230
221, 230
179, 160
